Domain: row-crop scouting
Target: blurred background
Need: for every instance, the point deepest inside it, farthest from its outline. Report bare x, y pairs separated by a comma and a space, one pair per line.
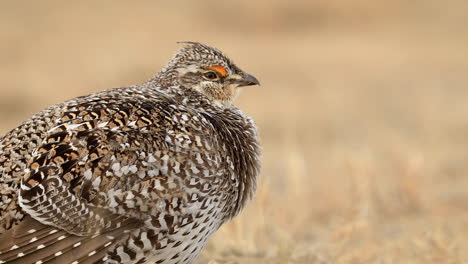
362, 111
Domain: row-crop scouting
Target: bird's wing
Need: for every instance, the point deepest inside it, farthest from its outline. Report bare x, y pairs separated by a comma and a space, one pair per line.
96, 174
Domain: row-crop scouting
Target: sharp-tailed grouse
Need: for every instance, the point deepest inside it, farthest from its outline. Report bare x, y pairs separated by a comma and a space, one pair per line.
136, 174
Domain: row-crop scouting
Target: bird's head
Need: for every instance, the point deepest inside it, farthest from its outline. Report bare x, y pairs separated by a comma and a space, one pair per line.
208, 71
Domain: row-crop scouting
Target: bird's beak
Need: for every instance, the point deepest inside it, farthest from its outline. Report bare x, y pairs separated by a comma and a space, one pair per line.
248, 80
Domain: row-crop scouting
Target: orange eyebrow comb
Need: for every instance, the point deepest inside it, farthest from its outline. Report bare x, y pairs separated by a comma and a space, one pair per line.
217, 68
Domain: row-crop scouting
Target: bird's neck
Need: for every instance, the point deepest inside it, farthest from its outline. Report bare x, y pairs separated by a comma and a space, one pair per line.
164, 79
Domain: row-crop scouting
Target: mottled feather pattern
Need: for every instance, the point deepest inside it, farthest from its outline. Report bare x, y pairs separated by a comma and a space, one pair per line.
128, 175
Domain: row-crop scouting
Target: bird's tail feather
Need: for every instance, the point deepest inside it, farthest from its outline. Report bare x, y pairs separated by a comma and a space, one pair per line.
33, 242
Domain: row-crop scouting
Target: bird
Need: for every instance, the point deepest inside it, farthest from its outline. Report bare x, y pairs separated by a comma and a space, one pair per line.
137, 174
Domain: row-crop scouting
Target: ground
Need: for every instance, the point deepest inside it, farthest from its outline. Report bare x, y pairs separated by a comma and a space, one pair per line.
362, 112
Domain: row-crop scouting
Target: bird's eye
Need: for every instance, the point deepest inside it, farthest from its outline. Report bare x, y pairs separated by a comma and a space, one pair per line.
210, 75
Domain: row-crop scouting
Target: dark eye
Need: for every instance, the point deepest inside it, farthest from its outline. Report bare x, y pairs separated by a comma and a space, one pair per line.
210, 75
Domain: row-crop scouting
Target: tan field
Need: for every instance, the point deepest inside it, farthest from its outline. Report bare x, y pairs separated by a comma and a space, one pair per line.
363, 112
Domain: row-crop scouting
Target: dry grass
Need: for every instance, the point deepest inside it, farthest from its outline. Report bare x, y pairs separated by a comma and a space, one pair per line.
363, 112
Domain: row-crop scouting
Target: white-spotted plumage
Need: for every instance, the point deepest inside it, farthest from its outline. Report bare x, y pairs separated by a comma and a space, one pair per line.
134, 174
